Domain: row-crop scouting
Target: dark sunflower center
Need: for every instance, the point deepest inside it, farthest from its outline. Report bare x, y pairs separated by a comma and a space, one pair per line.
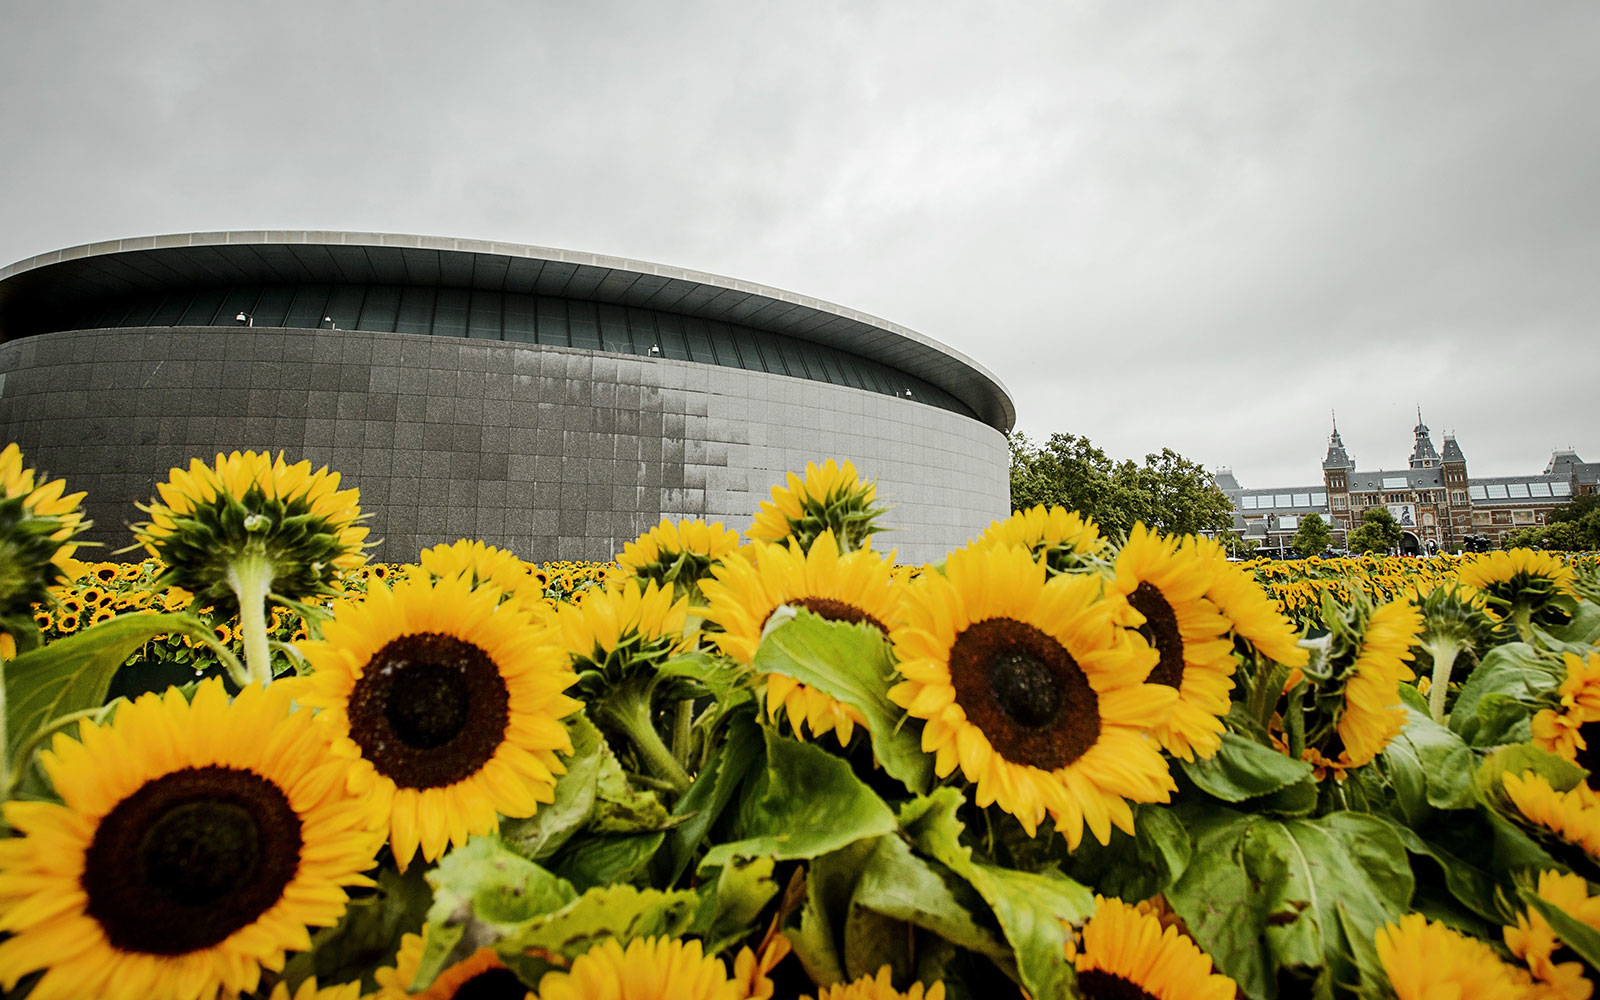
838, 611
189, 858
491, 984
1098, 984
427, 705
1588, 757
1025, 691
1160, 630
429, 710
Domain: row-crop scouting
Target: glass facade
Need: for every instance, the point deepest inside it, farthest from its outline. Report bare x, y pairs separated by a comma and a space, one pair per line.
526, 319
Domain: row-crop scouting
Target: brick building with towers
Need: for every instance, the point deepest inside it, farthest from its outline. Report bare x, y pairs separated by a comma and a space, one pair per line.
1435, 500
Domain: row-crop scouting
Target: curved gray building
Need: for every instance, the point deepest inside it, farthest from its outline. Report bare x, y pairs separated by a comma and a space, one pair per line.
551, 402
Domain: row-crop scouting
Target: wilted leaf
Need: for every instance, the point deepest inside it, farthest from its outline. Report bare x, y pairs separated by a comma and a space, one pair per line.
482, 891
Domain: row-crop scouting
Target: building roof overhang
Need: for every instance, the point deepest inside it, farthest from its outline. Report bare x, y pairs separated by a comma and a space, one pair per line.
33, 289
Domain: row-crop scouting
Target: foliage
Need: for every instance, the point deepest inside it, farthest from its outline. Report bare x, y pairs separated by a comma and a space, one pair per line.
1276, 861
1167, 492
1378, 532
1312, 537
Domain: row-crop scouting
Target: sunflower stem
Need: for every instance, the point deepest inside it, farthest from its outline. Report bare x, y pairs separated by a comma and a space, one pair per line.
682, 731
1444, 658
1522, 617
626, 707
250, 576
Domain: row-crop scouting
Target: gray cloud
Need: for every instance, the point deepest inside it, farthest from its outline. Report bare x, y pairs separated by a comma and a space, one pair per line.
1196, 226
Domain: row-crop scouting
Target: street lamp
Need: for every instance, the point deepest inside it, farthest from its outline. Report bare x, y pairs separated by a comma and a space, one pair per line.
245, 318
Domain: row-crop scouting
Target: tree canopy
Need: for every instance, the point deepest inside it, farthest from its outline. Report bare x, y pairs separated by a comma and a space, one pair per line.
1167, 492
1312, 537
1572, 527
1379, 532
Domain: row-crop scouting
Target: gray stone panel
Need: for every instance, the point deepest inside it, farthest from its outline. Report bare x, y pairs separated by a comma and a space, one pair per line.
553, 453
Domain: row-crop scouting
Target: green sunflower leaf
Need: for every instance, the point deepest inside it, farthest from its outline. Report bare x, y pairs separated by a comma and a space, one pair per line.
1262, 895
1244, 769
806, 803
619, 912
73, 673
542, 834
1582, 630
1217, 900
1515, 669
1139, 866
852, 664
898, 884
735, 757
483, 891
1031, 907
600, 860
1429, 766
731, 903
830, 884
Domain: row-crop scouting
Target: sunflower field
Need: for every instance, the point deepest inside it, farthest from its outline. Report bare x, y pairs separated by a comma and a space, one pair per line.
778, 764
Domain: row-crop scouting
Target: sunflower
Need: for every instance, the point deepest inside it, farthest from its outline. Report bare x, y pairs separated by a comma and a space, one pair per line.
1573, 815
1521, 585
656, 968
615, 640
1373, 713
879, 988
856, 587
1128, 953
1572, 731
194, 845
37, 525
830, 497
1064, 537
484, 566
1034, 690
106, 572
1166, 585
481, 974
444, 706
1254, 614
678, 555
1428, 961
1353, 706
249, 526
1533, 940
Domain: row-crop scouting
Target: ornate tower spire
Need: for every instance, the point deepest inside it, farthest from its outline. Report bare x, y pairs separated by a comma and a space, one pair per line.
1336, 458
1422, 454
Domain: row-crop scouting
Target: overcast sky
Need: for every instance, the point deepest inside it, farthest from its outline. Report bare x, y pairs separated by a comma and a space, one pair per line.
1193, 225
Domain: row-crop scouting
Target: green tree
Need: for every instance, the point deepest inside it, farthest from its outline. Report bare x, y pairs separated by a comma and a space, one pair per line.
1237, 545
1168, 492
1379, 532
1312, 537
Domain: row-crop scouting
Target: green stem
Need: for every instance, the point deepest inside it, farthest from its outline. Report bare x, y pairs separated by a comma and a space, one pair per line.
25, 752
250, 575
1522, 617
1444, 659
682, 731
628, 709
